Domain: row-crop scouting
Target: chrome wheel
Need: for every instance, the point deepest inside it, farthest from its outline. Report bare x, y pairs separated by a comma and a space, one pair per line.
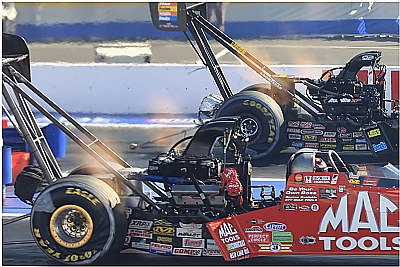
249, 127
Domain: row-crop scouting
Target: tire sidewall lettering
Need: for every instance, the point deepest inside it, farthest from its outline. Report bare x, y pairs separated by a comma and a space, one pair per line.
91, 202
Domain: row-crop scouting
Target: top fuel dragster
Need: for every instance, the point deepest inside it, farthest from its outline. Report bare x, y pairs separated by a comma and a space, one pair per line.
199, 198
342, 111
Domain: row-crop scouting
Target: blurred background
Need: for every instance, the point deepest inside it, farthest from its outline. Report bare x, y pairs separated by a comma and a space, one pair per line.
44, 22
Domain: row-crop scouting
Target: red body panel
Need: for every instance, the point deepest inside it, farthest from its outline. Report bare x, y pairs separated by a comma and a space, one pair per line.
319, 213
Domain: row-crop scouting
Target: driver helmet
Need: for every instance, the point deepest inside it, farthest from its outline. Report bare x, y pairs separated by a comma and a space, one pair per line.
320, 165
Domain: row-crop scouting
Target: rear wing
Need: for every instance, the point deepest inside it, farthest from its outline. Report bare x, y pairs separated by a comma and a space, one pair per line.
15, 46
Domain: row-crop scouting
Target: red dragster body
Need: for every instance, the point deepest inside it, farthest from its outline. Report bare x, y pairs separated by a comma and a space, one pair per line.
320, 213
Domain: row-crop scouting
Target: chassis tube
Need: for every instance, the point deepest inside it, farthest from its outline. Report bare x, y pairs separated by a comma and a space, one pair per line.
242, 54
87, 148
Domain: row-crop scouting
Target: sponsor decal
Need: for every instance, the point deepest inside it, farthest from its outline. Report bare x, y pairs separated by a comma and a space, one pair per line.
324, 179
298, 144
275, 247
293, 130
361, 147
374, 133
294, 136
211, 244
327, 140
354, 181
354, 176
298, 178
235, 245
348, 147
140, 233
164, 239
239, 253
319, 127
350, 220
160, 230
187, 251
300, 194
347, 140
304, 208
357, 134
140, 224
228, 233
315, 207
341, 129
327, 145
258, 238
140, 244
327, 193
192, 243
294, 124
311, 131
253, 229
361, 141
190, 225
379, 147
335, 178
282, 237
367, 57
211, 252
342, 188
289, 206
305, 124
257, 221
275, 226
329, 134
162, 222
346, 135
308, 240
160, 248
187, 232
308, 137
311, 145
333, 101
370, 181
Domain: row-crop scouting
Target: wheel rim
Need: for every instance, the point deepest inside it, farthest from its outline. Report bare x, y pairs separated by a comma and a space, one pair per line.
249, 127
71, 226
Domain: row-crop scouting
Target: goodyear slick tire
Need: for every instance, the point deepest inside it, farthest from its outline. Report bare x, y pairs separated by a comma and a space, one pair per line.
262, 121
79, 220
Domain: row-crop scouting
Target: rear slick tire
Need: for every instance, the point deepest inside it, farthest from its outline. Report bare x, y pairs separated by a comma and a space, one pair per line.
262, 121
79, 220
